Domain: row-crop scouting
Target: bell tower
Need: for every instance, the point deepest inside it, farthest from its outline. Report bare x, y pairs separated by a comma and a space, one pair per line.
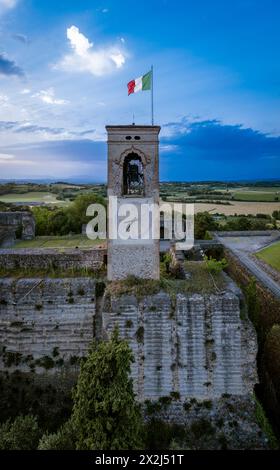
133, 178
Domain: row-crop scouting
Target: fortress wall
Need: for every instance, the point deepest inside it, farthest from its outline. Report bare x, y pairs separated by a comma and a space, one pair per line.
194, 345
45, 326
15, 220
40, 259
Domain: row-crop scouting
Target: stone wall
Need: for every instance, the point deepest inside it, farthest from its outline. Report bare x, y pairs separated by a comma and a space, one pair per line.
45, 324
19, 220
275, 234
228, 422
40, 259
193, 345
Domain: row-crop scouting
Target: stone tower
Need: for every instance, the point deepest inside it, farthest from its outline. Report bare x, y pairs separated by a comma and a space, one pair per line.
133, 176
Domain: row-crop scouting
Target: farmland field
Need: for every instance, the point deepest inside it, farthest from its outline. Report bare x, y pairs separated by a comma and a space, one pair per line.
31, 197
271, 255
268, 196
239, 207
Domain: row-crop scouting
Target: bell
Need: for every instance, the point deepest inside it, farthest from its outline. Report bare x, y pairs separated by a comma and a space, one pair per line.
134, 173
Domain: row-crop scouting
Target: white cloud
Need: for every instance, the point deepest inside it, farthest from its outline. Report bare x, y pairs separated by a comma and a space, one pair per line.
3, 99
87, 58
168, 148
48, 96
25, 91
7, 4
6, 156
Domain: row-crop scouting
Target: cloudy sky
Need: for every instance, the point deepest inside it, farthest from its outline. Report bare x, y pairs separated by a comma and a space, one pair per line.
64, 66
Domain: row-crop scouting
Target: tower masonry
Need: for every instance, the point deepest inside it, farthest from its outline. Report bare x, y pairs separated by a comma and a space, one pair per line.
133, 178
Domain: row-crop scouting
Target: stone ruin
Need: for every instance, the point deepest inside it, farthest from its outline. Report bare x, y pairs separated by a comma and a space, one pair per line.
16, 225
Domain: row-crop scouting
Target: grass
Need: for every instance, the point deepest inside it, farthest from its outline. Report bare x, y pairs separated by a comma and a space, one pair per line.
32, 197
200, 282
53, 273
60, 243
256, 196
271, 255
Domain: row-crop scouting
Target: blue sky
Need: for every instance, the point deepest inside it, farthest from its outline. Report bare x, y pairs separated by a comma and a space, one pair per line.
64, 67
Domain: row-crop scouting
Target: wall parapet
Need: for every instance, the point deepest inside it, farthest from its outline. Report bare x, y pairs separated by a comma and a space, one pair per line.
42, 258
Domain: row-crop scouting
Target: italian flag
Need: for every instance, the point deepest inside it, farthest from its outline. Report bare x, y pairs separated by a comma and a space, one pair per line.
140, 84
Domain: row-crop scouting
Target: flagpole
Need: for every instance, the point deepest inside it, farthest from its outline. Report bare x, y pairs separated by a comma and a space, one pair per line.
152, 95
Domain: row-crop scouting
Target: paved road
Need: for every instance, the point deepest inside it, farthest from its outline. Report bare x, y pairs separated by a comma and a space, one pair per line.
242, 247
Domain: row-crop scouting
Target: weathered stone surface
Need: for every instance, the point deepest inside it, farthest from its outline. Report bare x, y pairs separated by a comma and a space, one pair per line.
228, 422
194, 345
40, 259
141, 261
48, 318
125, 257
146, 147
19, 220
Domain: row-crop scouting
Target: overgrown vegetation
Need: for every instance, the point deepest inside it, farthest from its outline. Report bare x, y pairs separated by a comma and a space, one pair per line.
264, 312
55, 221
105, 414
21, 434
215, 266
265, 425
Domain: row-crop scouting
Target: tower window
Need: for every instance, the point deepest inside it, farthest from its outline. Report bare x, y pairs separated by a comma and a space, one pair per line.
137, 137
133, 175
128, 137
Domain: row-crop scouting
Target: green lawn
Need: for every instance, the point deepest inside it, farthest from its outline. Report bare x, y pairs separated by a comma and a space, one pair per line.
256, 196
59, 243
30, 197
271, 255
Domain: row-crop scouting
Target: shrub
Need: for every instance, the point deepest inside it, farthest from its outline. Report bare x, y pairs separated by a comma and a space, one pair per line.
105, 413
203, 223
272, 355
253, 303
21, 434
140, 334
215, 266
64, 439
265, 425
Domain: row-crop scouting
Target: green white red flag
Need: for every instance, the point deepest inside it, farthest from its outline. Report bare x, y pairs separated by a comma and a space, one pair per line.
140, 84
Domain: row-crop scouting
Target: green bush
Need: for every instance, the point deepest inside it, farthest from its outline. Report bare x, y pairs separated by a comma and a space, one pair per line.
253, 303
21, 434
105, 413
215, 266
265, 425
203, 223
55, 221
272, 355
64, 439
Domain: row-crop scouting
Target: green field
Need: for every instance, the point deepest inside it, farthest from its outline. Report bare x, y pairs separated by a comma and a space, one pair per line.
31, 197
59, 243
255, 196
271, 255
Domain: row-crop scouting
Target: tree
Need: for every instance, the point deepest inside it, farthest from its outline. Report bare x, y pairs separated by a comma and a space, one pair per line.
63, 439
244, 223
105, 413
203, 222
42, 217
21, 434
69, 219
